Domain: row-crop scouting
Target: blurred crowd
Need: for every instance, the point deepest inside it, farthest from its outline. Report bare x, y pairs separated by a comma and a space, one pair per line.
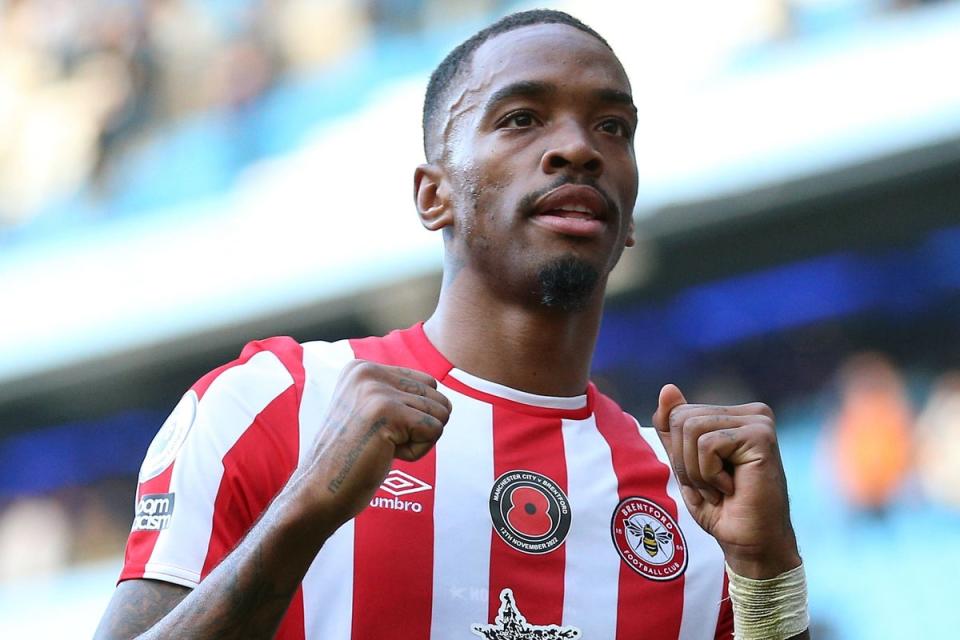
83, 83
881, 450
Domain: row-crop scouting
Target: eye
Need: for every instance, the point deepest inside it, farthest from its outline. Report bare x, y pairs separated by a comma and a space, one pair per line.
616, 127
518, 120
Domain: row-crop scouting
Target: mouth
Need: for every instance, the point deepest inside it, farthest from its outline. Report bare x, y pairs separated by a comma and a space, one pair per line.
573, 210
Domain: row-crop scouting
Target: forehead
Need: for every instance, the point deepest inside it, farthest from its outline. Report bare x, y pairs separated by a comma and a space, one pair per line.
555, 53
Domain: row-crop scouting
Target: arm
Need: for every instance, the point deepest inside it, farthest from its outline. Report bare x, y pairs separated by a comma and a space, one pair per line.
377, 413
727, 462
136, 606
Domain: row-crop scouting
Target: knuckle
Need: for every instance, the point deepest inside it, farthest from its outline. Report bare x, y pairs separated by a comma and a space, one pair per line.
704, 443
675, 421
385, 403
762, 409
768, 436
763, 433
364, 368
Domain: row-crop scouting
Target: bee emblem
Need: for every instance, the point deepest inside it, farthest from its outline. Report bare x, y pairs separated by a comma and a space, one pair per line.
651, 537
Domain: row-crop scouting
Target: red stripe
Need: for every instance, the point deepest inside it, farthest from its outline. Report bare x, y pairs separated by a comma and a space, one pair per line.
645, 608
292, 626
261, 461
725, 618
393, 557
254, 471
532, 443
140, 544
257, 467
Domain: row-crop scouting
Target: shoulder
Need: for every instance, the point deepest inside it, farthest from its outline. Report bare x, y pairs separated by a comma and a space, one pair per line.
271, 360
222, 405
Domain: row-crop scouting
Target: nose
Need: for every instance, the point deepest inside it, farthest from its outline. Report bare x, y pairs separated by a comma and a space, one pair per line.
572, 150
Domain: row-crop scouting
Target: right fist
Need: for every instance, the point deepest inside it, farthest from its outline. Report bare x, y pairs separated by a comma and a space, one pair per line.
377, 413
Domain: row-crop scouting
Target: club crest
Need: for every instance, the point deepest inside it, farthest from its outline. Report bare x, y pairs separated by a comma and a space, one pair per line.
648, 539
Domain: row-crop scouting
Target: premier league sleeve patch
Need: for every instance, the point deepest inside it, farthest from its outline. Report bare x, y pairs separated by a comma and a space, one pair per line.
170, 437
648, 539
529, 511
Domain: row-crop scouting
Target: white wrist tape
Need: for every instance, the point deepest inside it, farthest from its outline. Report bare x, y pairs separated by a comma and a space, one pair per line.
774, 609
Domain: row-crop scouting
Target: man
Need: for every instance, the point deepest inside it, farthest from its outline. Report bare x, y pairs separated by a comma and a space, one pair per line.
462, 478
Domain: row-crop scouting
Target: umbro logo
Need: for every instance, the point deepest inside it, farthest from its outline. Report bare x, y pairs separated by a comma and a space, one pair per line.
398, 483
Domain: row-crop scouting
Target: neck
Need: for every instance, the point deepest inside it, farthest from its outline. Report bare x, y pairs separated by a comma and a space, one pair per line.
523, 346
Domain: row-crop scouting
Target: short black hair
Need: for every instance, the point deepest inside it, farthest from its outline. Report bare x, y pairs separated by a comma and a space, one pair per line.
457, 59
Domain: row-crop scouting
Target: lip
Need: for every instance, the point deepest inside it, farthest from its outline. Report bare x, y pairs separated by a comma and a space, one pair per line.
572, 210
569, 198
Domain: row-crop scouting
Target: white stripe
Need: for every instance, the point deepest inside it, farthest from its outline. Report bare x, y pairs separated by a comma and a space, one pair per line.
592, 564
461, 547
523, 397
322, 363
328, 584
328, 589
703, 579
224, 413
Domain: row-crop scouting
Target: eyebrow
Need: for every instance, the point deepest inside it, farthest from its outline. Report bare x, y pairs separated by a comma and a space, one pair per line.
521, 89
616, 96
535, 89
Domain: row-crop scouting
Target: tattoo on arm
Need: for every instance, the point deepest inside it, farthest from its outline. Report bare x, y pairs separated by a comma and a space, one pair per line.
246, 596
136, 606
354, 454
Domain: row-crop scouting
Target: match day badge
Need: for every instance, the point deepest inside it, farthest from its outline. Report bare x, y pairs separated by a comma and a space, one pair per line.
170, 437
648, 539
529, 511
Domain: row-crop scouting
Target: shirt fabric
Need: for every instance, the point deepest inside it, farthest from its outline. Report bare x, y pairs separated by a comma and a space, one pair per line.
532, 517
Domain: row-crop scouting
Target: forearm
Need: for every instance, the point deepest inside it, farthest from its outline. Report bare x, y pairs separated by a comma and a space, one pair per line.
248, 593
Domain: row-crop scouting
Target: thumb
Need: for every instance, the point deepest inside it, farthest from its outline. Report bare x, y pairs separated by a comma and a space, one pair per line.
670, 398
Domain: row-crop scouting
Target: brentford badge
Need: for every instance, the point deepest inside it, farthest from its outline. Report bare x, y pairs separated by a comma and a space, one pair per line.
529, 511
648, 539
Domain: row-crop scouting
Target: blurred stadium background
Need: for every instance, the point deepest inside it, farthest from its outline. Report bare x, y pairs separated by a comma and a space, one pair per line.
178, 177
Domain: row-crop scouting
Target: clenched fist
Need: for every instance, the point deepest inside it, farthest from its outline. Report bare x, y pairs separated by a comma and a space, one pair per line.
377, 413
727, 461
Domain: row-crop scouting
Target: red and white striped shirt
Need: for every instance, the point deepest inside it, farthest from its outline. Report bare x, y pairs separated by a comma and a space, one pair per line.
533, 516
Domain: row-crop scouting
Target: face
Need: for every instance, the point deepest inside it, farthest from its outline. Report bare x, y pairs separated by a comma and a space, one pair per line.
539, 164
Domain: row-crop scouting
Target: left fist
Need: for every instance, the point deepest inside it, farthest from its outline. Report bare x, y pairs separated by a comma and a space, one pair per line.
727, 462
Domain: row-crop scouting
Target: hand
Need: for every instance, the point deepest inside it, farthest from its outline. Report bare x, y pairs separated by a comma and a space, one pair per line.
727, 463
377, 413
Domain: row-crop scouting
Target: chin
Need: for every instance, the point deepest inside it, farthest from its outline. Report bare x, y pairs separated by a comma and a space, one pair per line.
567, 283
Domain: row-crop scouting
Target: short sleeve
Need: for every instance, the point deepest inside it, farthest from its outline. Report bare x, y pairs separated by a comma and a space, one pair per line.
225, 450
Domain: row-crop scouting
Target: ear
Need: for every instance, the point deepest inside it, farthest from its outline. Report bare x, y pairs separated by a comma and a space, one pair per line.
432, 197
631, 240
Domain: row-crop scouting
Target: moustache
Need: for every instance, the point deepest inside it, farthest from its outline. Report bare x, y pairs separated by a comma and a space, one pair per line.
528, 202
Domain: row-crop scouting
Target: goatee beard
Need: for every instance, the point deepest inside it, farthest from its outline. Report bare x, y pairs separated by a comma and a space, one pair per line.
566, 284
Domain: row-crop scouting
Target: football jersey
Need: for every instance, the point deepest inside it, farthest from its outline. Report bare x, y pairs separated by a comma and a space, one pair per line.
532, 517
